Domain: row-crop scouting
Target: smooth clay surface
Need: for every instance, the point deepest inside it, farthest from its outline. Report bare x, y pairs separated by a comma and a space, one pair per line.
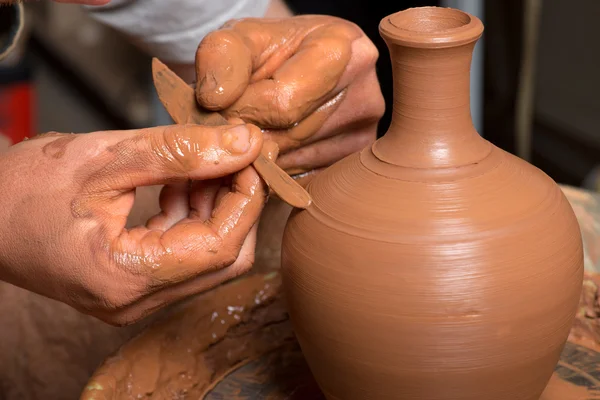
432, 265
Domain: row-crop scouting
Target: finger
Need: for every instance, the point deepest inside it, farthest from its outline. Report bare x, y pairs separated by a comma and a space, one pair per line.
223, 69
174, 204
242, 52
220, 194
235, 121
288, 139
170, 154
364, 58
193, 247
247, 194
300, 85
326, 152
202, 198
165, 296
361, 103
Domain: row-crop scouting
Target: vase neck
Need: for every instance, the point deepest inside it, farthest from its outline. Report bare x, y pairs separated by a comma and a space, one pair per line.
431, 121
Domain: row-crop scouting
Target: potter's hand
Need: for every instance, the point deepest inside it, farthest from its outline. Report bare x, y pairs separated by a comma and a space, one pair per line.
65, 201
309, 81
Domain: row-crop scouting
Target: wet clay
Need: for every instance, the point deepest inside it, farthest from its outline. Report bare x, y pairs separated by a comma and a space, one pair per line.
271, 72
58, 147
432, 265
178, 99
200, 342
295, 136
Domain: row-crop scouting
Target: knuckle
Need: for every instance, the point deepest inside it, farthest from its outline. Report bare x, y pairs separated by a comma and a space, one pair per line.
112, 301
228, 256
362, 140
287, 113
358, 43
334, 47
174, 146
214, 41
371, 51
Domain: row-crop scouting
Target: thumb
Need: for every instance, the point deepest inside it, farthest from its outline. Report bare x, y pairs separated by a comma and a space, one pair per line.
162, 155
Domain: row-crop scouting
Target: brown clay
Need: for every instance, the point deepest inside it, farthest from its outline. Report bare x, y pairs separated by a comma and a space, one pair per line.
432, 265
186, 354
263, 70
178, 99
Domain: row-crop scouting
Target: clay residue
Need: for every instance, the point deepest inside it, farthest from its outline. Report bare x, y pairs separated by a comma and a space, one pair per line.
178, 99
58, 147
241, 66
586, 328
198, 344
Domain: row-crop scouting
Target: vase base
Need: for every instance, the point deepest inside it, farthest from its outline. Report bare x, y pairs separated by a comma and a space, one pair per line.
284, 374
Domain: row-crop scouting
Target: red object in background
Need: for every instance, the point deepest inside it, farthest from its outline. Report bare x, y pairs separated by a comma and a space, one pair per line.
17, 110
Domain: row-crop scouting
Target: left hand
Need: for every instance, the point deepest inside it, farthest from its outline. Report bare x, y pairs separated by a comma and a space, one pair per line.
309, 82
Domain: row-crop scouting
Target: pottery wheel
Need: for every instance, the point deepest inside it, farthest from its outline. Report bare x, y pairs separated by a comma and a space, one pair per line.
237, 342
283, 374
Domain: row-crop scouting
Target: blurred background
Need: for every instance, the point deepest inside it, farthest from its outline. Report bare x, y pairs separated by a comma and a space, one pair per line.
535, 80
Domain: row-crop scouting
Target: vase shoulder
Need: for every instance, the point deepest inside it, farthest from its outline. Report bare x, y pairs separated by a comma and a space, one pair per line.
363, 196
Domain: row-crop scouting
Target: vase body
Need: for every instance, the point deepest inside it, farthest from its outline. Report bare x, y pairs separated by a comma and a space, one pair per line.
432, 265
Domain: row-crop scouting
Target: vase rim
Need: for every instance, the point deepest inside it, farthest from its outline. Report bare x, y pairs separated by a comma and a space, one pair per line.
431, 27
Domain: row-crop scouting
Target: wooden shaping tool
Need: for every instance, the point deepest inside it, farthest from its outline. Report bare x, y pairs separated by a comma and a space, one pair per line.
180, 101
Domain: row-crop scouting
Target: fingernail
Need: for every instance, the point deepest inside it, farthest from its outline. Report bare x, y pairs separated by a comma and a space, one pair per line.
207, 84
236, 139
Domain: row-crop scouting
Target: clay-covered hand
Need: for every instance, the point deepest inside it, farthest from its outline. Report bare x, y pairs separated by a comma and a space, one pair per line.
66, 198
308, 81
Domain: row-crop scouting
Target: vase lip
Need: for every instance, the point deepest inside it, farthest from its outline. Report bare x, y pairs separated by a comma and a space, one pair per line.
431, 27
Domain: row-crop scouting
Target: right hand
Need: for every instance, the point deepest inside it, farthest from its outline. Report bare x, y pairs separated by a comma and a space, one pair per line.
66, 198
309, 81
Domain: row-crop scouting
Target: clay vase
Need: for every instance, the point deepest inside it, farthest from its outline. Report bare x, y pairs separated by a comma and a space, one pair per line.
432, 265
